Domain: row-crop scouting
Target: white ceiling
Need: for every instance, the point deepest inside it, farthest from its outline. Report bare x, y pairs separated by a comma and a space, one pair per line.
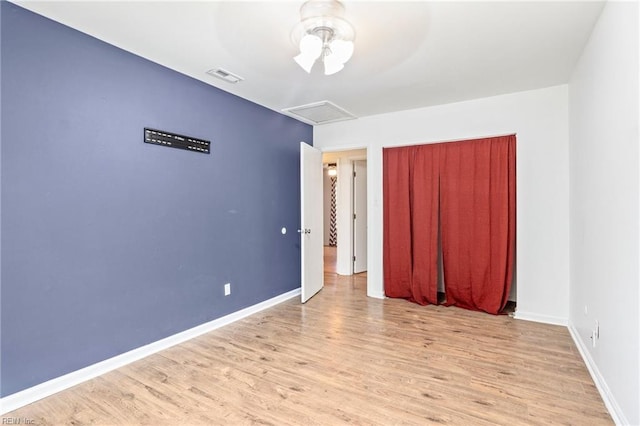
408, 54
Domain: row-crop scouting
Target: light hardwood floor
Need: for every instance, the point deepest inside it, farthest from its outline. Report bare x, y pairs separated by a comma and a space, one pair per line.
343, 358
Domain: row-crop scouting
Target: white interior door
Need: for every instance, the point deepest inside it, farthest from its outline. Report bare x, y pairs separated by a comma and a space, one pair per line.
359, 216
311, 221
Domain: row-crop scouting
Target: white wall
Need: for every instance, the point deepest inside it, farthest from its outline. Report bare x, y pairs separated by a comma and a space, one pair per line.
540, 120
604, 191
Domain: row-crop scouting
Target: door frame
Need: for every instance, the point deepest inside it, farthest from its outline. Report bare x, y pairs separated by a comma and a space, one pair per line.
344, 264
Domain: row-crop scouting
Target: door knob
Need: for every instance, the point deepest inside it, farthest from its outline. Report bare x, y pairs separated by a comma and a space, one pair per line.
304, 231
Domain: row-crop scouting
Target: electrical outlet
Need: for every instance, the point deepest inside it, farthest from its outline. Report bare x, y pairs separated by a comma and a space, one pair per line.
227, 289
586, 310
595, 334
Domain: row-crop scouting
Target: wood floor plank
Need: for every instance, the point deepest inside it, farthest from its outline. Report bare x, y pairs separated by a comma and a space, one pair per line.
343, 358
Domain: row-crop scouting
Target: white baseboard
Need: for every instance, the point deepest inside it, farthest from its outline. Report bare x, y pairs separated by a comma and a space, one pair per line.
609, 401
35, 393
377, 295
546, 319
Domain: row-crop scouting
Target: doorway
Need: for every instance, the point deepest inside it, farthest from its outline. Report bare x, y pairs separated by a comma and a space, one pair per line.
345, 209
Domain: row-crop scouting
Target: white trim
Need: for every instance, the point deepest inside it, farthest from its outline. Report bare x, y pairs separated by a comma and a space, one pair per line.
43, 390
377, 295
340, 148
607, 397
546, 319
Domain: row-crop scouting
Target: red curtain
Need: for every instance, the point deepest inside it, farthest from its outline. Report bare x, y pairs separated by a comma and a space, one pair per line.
424, 209
477, 195
468, 190
398, 265
410, 185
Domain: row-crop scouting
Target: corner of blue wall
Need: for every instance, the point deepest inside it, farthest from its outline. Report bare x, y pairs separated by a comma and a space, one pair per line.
108, 243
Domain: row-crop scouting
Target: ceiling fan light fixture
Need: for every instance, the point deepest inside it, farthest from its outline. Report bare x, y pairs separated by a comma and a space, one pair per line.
332, 64
323, 33
342, 49
311, 45
305, 61
310, 50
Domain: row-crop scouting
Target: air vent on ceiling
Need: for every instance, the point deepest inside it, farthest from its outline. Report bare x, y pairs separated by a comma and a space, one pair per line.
322, 112
225, 75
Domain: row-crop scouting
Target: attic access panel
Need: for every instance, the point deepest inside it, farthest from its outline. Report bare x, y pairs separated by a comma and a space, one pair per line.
322, 112
174, 140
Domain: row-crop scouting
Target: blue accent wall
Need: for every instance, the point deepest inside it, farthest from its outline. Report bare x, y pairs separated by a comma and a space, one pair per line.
108, 243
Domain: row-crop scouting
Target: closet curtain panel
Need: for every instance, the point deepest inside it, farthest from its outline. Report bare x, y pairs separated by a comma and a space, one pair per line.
424, 215
477, 195
410, 188
397, 254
